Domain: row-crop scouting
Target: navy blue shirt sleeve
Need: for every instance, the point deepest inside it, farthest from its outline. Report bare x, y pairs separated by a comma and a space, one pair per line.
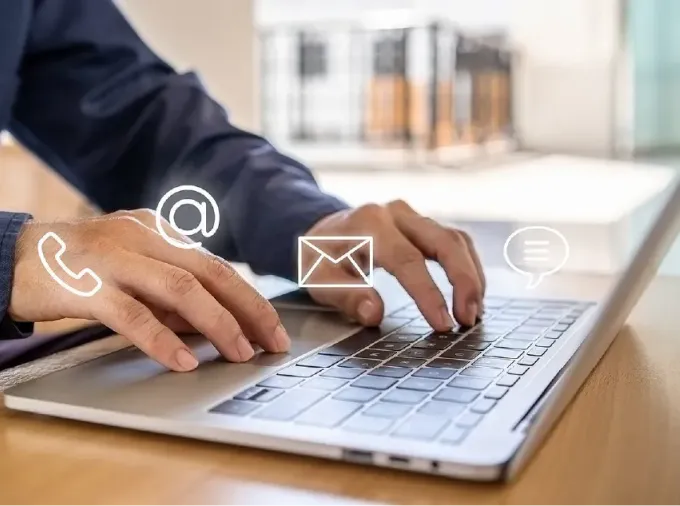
10, 224
97, 105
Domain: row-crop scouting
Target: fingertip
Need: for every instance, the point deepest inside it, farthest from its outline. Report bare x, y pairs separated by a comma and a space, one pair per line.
369, 312
186, 361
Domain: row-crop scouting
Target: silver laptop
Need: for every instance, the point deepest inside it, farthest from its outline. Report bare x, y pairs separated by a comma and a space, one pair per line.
473, 403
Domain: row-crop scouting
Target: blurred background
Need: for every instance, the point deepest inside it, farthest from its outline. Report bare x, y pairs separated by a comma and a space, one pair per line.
487, 114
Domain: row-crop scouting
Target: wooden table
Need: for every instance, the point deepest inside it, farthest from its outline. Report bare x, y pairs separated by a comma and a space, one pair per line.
619, 442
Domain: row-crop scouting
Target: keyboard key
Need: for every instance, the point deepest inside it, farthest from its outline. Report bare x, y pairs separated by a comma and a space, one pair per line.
536, 352
503, 353
553, 335
540, 320
368, 424
523, 336
328, 413
236, 408
453, 435
567, 320
375, 354
320, 361
481, 372
343, 373
410, 363
460, 354
416, 330
356, 394
418, 353
482, 337
390, 372
434, 373
469, 382
389, 346
404, 396
483, 406
401, 338
544, 343
374, 382
428, 344
445, 409
513, 344
353, 344
470, 345
290, 404
259, 394
528, 360
469, 420
280, 382
448, 363
560, 328
299, 372
421, 427
328, 384
493, 362
422, 384
360, 363
518, 370
388, 410
451, 394
507, 381
496, 392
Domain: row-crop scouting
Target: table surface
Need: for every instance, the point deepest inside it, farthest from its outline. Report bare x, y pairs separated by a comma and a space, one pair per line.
618, 442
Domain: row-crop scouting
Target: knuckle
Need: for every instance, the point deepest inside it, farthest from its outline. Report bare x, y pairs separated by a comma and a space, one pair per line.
371, 211
180, 282
457, 237
132, 314
220, 271
400, 205
266, 314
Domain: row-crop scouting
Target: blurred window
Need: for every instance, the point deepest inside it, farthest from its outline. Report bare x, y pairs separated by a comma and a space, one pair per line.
313, 59
390, 54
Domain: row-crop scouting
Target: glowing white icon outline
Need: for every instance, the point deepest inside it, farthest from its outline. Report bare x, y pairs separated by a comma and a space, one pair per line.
307, 240
201, 206
536, 279
60, 261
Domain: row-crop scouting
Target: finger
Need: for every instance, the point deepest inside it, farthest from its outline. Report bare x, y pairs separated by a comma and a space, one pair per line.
476, 259
450, 250
178, 291
133, 320
253, 312
361, 304
171, 320
404, 261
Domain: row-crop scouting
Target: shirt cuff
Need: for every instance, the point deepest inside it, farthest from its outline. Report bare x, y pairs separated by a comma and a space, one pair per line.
10, 225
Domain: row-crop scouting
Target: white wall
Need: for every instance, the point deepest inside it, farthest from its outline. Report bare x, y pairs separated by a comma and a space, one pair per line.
216, 38
567, 84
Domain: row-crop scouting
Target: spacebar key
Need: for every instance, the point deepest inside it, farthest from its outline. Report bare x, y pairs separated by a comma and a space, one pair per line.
291, 404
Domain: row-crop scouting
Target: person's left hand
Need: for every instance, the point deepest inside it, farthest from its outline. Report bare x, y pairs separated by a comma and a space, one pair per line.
403, 240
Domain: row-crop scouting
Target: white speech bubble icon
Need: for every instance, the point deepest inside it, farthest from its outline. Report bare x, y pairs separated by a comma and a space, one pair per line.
544, 252
202, 209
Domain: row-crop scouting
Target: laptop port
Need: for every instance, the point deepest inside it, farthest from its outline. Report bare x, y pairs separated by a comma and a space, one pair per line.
357, 456
401, 461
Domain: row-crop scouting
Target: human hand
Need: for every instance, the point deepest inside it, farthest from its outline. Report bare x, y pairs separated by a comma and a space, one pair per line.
403, 240
150, 289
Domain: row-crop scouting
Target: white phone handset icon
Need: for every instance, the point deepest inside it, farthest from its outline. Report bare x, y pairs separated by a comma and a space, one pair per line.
80, 275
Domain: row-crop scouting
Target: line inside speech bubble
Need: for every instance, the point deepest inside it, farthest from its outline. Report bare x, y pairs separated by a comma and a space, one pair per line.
535, 278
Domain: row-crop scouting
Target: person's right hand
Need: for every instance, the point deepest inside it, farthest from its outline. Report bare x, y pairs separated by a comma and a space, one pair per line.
150, 289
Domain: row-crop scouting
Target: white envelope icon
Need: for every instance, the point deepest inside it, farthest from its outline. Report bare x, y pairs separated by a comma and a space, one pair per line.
317, 243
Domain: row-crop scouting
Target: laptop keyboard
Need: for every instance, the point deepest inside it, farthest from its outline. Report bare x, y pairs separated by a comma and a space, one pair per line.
404, 380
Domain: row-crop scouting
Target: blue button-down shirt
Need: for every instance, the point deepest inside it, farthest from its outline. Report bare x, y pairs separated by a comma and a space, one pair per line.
80, 89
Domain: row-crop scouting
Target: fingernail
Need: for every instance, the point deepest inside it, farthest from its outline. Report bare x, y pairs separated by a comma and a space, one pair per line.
446, 319
281, 339
366, 310
245, 350
186, 360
